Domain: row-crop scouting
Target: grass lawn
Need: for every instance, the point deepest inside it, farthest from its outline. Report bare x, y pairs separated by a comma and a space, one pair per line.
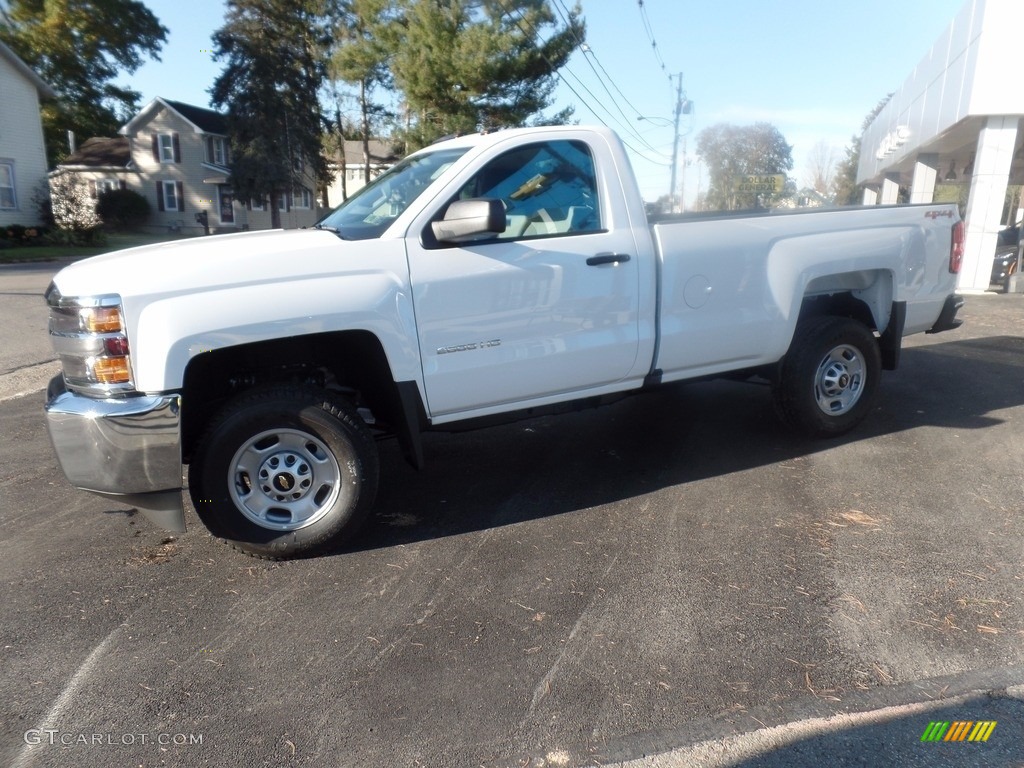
115, 242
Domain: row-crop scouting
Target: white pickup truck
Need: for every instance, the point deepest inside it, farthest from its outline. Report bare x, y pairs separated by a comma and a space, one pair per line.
485, 278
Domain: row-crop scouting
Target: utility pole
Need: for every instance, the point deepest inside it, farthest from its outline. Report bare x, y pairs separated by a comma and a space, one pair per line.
675, 145
682, 182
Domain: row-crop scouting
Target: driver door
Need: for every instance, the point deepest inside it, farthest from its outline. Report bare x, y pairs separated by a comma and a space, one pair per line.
547, 308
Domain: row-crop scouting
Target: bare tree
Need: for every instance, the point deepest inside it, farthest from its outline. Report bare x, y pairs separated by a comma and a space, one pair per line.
820, 172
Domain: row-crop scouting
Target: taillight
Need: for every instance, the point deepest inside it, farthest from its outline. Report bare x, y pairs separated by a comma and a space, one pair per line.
956, 249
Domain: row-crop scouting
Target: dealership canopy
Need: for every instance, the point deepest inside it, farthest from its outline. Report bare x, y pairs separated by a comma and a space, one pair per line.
956, 119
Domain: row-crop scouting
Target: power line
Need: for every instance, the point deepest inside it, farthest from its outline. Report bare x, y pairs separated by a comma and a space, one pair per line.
590, 55
533, 33
645, 19
626, 126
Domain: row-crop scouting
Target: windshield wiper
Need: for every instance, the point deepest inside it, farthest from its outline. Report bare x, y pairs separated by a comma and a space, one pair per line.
328, 228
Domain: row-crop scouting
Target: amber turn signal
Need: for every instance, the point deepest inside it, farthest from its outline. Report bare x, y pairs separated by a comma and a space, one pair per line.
112, 370
101, 319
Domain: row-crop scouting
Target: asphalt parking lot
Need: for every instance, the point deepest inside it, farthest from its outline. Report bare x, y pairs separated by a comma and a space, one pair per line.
650, 583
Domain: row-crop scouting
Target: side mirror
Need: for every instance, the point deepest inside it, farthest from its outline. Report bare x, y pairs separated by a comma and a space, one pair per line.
466, 219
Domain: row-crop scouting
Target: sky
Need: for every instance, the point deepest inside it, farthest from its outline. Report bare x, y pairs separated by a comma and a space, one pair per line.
812, 68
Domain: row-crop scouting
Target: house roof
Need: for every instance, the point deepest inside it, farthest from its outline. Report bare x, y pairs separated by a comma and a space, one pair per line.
380, 153
15, 61
207, 119
101, 152
201, 119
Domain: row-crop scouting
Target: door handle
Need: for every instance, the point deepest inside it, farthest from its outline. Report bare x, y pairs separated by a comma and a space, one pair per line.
607, 258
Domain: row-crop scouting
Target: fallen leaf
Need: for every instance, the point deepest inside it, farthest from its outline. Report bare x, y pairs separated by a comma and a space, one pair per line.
856, 516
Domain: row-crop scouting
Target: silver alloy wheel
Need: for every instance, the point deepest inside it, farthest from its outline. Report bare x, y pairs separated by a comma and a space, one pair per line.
839, 380
284, 479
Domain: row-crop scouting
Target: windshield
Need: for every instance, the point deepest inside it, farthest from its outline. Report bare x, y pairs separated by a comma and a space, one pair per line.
371, 210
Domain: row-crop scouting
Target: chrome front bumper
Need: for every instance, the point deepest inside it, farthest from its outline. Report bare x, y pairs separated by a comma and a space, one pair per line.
125, 449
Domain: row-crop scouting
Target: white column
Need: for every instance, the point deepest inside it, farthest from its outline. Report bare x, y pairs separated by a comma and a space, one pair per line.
870, 196
986, 198
890, 189
922, 189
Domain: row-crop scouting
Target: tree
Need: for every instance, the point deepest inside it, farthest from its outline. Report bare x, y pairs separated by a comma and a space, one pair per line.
731, 151
74, 210
820, 173
469, 64
79, 48
364, 36
275, 53
846, 189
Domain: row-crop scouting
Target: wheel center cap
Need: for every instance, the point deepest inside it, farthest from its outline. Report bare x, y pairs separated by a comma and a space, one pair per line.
844, 380
284, 482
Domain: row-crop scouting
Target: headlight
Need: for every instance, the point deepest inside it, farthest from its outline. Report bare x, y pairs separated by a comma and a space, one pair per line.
88, 333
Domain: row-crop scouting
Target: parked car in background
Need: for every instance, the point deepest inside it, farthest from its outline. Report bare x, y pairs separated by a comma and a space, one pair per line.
1004, 263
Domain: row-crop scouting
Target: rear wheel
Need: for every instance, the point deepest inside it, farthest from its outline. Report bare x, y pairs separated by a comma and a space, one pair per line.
829, 377
285, 471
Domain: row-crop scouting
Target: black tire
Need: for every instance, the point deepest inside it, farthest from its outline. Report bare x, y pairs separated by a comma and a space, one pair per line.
285, 471
829, 377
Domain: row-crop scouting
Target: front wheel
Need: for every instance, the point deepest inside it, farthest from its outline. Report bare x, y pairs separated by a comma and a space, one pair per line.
829, 377
285, 471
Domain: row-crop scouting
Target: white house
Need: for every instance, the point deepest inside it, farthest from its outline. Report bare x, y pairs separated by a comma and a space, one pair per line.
176, 156
350, 176
22, 151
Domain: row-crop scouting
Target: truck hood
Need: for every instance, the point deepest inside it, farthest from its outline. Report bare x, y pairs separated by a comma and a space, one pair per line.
205, 263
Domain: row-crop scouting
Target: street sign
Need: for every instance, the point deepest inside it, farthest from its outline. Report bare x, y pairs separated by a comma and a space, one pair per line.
769, 183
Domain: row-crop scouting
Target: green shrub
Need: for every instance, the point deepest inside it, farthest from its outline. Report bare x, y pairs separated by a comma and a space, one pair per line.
18, 234
122, 209
91, 237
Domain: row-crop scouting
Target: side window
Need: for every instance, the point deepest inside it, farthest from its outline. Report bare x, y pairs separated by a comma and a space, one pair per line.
548, 189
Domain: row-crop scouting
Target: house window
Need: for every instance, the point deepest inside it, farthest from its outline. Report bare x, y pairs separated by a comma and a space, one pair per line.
217, 150
170, 196
98, 186
297, 164
302, 198
256, 204
8, 199
166, 148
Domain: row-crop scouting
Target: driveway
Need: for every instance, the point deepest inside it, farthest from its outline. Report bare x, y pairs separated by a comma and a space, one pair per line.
634, 583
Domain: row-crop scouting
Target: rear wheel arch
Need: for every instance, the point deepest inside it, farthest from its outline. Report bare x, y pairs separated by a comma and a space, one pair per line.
866, 295
871, 305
